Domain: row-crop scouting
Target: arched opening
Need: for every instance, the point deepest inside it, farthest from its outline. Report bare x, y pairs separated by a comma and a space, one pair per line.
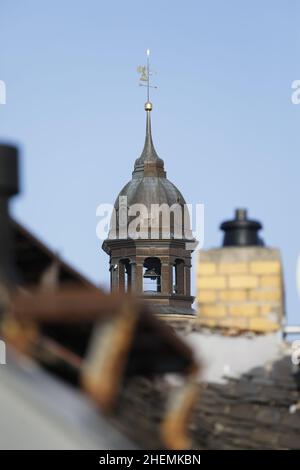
125, 275
174, 284
178, 277
152, 275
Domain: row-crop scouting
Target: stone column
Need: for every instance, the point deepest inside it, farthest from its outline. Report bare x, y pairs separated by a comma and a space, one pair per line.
187, 280
166, 278
132, 276
121, 270
114, 279
114, 274
181, 278
138, 287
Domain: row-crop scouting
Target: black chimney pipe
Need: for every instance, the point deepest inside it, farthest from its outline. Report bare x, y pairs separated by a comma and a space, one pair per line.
241, 231
9, 186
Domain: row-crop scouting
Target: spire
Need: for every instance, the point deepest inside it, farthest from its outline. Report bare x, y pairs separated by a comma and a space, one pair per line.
149, 152
149, 155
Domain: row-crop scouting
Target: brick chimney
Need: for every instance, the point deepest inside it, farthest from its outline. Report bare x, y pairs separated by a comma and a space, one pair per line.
240, 285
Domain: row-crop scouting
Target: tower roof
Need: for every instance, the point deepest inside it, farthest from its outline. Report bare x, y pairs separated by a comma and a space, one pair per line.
149, 158
149, 184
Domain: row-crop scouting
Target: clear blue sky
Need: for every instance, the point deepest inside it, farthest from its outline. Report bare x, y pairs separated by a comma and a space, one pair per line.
223, 119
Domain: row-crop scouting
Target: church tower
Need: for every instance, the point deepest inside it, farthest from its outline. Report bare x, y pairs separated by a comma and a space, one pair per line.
150, 241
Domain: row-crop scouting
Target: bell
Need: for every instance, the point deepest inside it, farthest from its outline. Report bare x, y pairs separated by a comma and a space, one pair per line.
151, 273
241, 231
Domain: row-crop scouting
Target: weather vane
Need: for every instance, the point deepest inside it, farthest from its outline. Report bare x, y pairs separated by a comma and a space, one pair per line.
145, 74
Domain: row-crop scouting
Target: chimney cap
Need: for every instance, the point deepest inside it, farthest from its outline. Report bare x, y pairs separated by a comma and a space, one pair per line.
241, 231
